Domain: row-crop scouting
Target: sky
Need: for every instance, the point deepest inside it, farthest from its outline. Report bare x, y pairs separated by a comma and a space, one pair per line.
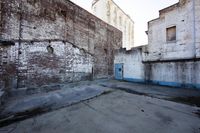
141, 11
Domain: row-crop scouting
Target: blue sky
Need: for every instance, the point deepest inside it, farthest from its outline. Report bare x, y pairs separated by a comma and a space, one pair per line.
141, 11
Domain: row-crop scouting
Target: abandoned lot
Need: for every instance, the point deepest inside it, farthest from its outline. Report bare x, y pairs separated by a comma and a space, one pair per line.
121, 108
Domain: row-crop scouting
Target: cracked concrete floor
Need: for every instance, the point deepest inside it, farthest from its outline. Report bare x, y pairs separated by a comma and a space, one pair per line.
115, 112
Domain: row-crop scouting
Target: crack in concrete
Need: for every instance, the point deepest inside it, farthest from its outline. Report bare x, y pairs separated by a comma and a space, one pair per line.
94, 109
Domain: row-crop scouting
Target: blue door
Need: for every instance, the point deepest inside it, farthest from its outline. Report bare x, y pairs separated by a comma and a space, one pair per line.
119, 71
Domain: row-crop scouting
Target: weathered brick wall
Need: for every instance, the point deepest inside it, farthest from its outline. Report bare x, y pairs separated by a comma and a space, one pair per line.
8, 66
53, 41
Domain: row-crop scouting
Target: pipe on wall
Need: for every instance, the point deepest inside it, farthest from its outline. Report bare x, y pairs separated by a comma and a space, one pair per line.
20, 40
194, 28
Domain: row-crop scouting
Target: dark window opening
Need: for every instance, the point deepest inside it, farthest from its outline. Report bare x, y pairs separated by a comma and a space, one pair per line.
171, 34
50, 49
106, 51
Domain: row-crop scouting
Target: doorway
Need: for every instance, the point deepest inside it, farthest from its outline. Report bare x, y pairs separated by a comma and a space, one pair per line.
119, 71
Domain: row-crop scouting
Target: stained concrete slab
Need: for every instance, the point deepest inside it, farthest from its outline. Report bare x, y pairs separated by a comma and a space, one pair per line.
116, 112
30, 105
183, 95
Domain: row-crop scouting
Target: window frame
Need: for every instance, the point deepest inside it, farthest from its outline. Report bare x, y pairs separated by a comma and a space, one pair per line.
167, 34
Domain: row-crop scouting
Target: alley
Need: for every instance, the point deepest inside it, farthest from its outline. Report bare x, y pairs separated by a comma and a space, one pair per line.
116, 111
66, 69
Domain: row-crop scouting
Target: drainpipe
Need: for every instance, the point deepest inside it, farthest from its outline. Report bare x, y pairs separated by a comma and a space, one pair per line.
20, 39
194, 29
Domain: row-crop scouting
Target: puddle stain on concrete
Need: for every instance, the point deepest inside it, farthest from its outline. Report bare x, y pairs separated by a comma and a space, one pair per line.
163, 118
194, 101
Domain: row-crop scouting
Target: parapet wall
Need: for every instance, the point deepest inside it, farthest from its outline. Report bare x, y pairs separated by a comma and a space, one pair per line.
176, 73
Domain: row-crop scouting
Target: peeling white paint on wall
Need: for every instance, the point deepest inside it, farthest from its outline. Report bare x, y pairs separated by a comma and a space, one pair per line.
132, 63
172, 63
181, 16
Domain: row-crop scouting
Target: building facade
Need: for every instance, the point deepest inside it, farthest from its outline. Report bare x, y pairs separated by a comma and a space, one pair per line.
53, 41
172, 56
110, 12
176, 33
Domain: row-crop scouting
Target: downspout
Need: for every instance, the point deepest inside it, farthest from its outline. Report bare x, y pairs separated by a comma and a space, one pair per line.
20, 39
194, 28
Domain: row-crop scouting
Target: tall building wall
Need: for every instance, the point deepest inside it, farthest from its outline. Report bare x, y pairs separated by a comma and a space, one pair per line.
53, 41
174, 34
111, 13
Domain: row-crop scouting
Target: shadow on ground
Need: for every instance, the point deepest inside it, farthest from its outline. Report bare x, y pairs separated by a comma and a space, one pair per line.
27, 103
181, 95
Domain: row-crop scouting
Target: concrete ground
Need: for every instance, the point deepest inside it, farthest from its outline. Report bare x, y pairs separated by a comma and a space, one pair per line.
117, 110
26, 104
182, 95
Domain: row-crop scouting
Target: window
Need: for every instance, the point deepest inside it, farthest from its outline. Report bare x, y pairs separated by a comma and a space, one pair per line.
95, 9
120, 21
108, 8
50, 49
115, 17
108, 11
171, 34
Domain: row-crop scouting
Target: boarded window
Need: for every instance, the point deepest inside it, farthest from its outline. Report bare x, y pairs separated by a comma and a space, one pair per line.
171, 33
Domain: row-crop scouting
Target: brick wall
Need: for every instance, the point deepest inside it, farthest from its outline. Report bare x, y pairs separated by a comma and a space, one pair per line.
53, 41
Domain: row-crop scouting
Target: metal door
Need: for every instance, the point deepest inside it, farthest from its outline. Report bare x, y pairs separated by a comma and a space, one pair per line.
119, 71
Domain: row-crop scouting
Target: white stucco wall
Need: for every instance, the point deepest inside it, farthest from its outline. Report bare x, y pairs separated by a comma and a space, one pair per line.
197, 18
181, 16
171, 73
162, 62
132, 64
113, 15
176, 73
